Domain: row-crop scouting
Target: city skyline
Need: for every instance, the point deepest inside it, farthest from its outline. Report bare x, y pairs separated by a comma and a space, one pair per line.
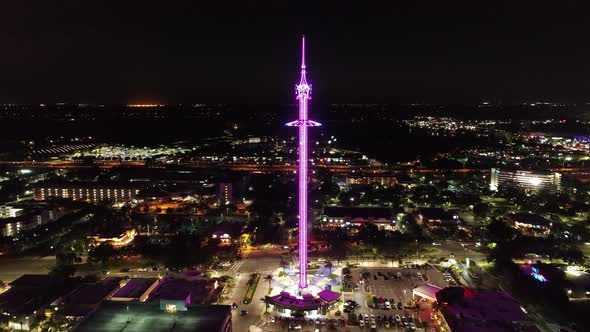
157, 172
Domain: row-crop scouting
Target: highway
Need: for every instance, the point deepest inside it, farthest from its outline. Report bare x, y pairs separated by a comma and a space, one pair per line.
239, 167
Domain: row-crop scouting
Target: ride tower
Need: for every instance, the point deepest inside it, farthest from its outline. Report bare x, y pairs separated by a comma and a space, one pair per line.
303, 93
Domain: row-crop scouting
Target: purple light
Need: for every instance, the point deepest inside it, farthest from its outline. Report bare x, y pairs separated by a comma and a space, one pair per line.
303, 91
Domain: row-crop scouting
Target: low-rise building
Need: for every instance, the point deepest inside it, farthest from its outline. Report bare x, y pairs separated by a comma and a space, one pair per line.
133, 316
183, 292
482, 311
86, 298
530, 223
437, 217
337, 216
25, 302
136, 289
116, 239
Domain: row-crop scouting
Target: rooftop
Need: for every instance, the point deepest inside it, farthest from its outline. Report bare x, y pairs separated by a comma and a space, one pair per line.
486, 311
135, 287
180, 289
82, 300
140, 317
306, 302
33, 292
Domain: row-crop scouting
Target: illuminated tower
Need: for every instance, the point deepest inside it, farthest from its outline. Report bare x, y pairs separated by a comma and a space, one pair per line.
303, 91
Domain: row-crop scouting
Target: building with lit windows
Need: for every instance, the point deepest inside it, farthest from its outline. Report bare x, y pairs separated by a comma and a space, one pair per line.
117, 240
337, 216
30, 219
437, 217
9, 212
225, 192
87, 191
522, 179
382, 180
529, 223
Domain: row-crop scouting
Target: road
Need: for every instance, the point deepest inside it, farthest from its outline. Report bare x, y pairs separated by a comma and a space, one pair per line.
241, 167
14, 267
255, 261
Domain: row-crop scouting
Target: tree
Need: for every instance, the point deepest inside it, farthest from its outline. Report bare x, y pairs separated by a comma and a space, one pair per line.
269, 278
573, 255
267, 302
353, 306
329, 265
481, 210
499, 231
102, 253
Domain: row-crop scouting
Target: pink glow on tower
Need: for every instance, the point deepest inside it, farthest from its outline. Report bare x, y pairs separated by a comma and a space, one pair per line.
303, 91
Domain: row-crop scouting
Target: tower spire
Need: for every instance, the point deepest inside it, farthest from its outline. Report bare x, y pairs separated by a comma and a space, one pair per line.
303, 52
303, 80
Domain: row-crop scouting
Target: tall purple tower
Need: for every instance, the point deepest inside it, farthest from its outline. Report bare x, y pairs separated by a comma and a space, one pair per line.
303, 92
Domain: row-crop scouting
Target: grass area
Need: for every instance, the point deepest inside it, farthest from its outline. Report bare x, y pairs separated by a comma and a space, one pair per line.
252, 284
332, 276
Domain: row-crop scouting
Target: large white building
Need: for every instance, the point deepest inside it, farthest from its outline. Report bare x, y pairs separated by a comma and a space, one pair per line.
527, 180
87, 191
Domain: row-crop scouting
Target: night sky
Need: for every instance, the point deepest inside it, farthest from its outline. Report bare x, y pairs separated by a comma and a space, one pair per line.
234, 52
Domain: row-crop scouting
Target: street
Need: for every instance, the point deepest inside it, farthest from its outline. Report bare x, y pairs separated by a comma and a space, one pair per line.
11, 268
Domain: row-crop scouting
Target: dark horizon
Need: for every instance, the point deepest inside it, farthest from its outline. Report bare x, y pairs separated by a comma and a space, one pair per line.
143, 52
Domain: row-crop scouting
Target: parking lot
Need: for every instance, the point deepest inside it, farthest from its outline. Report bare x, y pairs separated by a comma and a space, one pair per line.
392, 289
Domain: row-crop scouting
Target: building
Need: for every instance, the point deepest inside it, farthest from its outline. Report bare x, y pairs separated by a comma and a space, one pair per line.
437, 217
223, 237
530, 223
225, 193
80, 302
117, 240
337, 216
136, 289
501, 179
25, 302
286, 303
370, 179
9, 212
183, 292
427, 291
481, 311
29, 219
140, 317
93, 192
